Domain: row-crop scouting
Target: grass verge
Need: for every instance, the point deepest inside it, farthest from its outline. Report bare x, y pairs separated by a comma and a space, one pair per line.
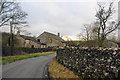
9, 59
58, 71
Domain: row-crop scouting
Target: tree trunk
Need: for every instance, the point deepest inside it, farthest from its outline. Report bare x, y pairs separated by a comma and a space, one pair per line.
11, 39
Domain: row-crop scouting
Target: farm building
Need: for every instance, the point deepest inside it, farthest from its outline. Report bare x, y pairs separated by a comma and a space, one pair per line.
22, 41
51, 40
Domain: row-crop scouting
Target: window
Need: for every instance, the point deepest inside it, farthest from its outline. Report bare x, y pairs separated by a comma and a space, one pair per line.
32, 46
27, 42
50, 40
38, 40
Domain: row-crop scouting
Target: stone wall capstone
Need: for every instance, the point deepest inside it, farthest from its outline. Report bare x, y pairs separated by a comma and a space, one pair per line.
91, 63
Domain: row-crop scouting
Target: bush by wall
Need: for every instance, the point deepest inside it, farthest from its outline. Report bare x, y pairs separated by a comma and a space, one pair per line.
6, 51
91, 63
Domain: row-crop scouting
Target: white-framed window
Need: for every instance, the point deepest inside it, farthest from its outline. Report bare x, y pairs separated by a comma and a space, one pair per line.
27, 41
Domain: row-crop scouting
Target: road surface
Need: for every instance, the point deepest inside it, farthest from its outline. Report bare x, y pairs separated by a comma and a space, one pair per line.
28, 68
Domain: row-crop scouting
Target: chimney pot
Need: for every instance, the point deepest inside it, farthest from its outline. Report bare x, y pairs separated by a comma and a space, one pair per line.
59, 34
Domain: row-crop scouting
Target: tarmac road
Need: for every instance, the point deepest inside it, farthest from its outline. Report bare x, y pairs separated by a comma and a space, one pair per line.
28, 68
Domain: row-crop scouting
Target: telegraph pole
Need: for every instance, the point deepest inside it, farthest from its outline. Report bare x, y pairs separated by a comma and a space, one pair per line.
11, 38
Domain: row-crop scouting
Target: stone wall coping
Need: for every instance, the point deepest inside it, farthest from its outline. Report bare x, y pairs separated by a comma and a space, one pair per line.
99, 48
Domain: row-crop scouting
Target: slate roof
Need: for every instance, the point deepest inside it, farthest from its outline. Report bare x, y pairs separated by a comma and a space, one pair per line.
32, 39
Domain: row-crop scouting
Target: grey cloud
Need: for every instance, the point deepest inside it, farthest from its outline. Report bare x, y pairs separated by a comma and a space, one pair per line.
64, 17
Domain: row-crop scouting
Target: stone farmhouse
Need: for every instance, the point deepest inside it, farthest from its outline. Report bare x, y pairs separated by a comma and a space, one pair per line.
51, 40
27, 41
45, 40
21, 41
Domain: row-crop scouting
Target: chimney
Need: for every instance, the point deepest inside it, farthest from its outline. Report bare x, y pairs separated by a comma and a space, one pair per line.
59, 34
18, 33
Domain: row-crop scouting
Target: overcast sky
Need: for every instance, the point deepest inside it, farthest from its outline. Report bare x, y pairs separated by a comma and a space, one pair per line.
64, 16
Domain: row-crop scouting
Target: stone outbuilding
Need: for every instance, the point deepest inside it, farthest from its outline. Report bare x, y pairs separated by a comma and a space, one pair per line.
27, 41
22, 41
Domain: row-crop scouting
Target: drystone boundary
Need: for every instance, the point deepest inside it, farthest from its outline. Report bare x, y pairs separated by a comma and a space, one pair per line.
91, 63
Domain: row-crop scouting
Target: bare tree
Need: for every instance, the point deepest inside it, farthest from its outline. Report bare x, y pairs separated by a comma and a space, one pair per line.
86, 36
87, 28
5, 11
81, 36
11, 12
96, 29
106, 26
12, 15
95, 33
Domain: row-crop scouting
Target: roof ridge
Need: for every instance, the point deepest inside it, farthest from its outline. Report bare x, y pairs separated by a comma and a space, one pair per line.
50, 33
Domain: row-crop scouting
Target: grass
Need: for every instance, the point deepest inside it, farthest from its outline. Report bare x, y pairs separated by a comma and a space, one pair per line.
9, 59
58, 71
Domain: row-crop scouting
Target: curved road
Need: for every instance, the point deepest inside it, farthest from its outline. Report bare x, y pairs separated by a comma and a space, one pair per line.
27, 68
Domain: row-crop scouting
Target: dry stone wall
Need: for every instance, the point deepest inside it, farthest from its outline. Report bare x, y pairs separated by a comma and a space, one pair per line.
91, 63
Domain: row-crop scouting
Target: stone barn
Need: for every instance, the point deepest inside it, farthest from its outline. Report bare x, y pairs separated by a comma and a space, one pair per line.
51, 40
